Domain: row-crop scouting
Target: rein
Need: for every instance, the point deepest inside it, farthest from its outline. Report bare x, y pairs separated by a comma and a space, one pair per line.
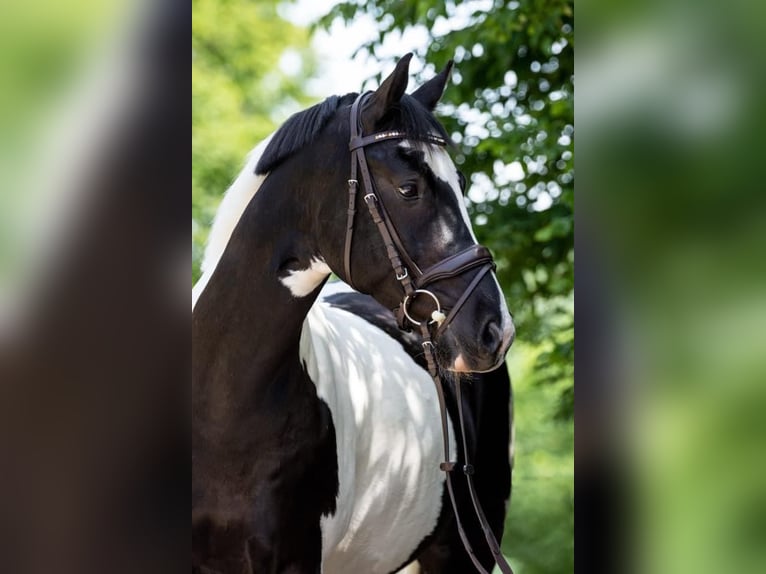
414, 283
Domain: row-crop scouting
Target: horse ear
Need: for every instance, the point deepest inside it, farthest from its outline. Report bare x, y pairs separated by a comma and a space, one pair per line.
431, 92
390, 92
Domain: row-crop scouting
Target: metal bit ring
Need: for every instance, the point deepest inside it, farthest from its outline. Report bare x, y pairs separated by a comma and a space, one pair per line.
408, 298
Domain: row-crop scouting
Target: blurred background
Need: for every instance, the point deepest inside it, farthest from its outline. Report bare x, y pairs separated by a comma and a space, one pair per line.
509, 108
671, 232
94, 252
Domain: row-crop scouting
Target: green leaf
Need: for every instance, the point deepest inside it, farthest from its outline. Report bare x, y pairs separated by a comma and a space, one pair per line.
558, 227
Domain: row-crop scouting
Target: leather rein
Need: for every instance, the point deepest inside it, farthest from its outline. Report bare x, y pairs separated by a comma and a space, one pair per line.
414, 283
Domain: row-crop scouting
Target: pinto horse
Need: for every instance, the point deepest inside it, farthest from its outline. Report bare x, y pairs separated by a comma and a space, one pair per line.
316, 438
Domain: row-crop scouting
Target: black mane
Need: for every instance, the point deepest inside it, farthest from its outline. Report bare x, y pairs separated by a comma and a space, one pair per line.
298, 131
302, 128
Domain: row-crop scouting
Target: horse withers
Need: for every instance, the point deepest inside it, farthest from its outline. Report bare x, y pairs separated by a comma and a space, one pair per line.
316, 433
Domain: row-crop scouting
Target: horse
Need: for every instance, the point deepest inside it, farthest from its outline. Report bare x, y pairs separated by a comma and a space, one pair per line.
316, 436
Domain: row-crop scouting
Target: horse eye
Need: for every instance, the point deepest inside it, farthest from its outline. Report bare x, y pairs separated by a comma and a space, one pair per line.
461, 180
408, 190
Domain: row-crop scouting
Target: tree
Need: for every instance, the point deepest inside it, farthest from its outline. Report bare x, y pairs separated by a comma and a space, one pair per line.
240, 93
510, 110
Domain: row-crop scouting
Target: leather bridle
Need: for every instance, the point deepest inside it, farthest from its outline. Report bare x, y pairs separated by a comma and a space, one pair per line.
414, 283
408, 273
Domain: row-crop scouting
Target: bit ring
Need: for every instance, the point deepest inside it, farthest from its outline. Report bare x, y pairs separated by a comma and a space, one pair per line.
410, 297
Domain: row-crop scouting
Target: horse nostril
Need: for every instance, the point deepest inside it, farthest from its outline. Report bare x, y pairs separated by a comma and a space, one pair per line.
492, 337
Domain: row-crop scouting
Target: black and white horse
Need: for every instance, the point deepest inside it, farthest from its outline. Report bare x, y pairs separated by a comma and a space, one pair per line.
316, 432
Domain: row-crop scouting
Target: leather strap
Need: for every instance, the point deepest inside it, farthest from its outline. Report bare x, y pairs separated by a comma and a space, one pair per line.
357, 141
468, 469
393, 254
411, 265
353, 184
456, 264
463, 298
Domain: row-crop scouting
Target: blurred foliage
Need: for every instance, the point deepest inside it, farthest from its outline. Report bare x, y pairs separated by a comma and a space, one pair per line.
46, 48
539, 530
510, 109
43, 45
671, 93
240, 94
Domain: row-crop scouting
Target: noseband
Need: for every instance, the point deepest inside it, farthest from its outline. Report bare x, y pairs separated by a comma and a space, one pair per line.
414, 283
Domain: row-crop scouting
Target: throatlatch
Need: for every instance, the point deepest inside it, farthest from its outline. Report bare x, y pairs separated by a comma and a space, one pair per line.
414, 283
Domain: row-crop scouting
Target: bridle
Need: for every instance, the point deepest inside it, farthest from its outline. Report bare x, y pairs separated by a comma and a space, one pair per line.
414, 283
408, 273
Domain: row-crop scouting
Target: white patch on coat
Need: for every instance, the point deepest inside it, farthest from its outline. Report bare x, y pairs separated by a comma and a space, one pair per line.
232, 206
301, 282
388, 432
443, 167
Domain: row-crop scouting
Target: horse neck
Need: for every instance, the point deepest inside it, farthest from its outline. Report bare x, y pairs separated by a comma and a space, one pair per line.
246, 325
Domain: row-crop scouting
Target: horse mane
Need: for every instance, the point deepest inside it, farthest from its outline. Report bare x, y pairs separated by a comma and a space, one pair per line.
298, 131
302, 128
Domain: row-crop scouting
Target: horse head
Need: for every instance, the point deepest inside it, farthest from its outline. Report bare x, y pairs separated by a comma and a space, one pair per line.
386, 148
